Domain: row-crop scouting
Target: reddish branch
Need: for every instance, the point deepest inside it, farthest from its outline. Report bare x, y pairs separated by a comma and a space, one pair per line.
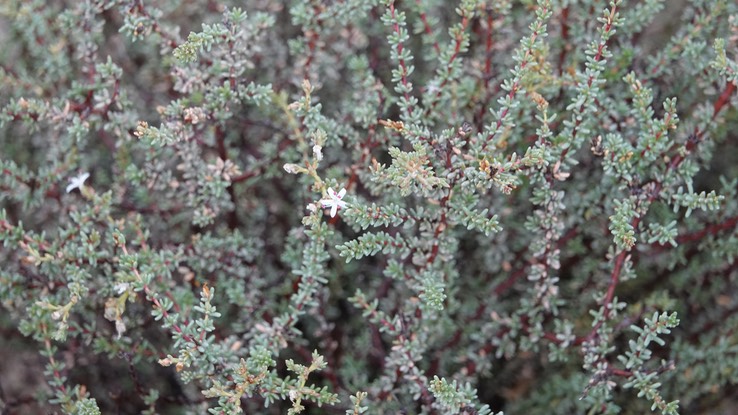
564, 37
458, 40
426, 27
515, 87
714, 229
487, 74
403, 66
722, 101
598, 56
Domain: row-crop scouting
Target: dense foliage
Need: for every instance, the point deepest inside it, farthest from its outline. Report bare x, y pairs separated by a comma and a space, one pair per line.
369, 206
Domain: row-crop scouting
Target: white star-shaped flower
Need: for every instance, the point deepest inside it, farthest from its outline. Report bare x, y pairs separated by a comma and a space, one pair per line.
334, 201
77, 182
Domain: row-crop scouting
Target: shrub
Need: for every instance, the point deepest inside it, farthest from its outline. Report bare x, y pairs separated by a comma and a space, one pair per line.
369, 206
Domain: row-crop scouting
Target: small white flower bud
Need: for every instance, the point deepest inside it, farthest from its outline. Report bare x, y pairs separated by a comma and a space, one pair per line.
318, 152
291, 168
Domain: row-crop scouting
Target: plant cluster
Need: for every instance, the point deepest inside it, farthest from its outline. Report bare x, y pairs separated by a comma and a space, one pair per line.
369, 206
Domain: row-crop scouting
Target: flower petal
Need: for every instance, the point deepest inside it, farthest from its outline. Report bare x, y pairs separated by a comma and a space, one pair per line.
77, 182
